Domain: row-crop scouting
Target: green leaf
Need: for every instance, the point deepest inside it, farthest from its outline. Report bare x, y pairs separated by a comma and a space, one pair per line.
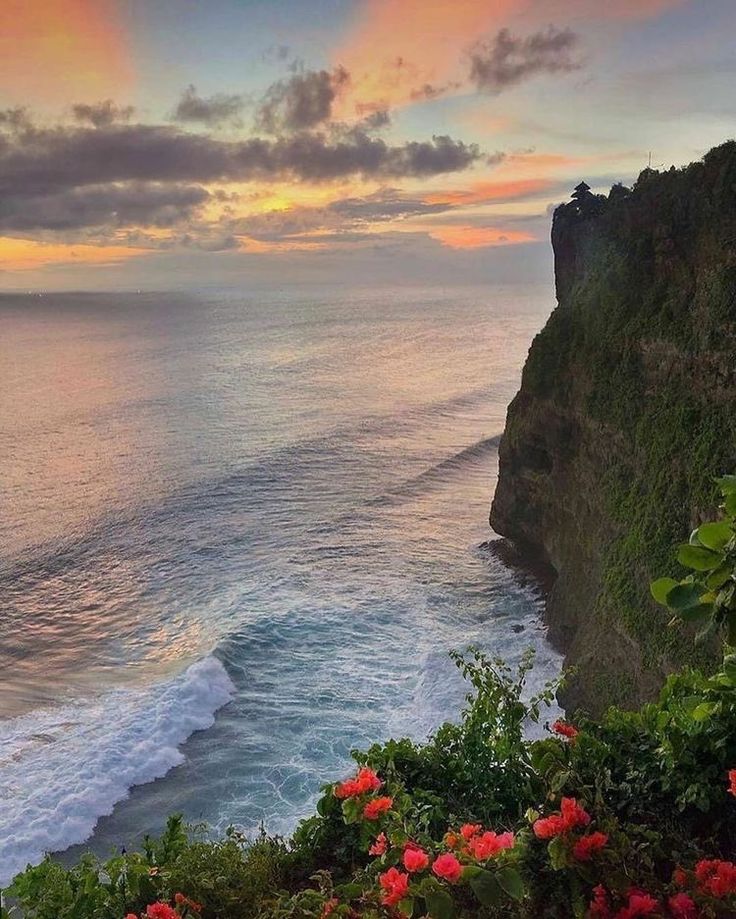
704, 711
729, 667
730, 504
661, 587
351, 810
486, 888
684, 596
557, 853
439, 904
727, 484
510, 879
715, 535
697, 614
719, 577
406, 907
698, 558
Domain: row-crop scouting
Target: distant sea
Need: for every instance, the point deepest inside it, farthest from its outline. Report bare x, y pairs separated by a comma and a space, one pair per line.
239, 534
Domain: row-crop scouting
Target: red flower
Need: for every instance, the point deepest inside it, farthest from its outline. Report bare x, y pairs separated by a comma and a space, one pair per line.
448, 867
682, 906
131, 916
161, 911
379, 846
564, 729
181, 900
732, 781
717, 878
415, 859
396, 885
376, 807
329, 907
547, 827
489, 844
640, 904
366, 780
587, 846
599, 907
679, 877
571, 815
468, 830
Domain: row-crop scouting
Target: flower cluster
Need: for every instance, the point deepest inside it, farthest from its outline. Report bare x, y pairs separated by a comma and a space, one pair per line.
395, 885
364, 782
161, 910
479, 844
570, 817
638, 903
565, 729
716, 878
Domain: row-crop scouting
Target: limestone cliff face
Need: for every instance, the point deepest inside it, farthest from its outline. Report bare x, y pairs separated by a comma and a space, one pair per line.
626, 411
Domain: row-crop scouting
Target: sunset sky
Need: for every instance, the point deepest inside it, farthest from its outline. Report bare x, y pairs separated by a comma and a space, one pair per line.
152, 143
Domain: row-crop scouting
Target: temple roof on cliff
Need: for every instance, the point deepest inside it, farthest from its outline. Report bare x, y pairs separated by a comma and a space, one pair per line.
582, 189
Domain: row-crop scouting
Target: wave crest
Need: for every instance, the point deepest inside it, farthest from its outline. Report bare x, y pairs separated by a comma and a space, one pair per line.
63, 768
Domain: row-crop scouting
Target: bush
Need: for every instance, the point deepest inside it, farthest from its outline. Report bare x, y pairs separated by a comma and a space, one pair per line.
630, 815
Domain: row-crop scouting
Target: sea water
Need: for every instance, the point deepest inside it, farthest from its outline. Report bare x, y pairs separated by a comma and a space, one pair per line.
239, 534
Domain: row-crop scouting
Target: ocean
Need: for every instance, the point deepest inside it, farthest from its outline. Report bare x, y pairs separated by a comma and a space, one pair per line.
239, 534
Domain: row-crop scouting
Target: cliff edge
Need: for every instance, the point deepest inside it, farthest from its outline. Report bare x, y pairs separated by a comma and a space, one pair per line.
626, 411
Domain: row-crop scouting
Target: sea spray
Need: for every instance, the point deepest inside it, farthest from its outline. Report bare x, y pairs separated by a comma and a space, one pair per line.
65, 767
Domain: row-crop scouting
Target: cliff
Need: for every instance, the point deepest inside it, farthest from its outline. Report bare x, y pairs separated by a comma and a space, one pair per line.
627, 409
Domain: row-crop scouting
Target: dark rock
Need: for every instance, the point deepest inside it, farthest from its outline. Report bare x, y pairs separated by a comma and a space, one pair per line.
626, 411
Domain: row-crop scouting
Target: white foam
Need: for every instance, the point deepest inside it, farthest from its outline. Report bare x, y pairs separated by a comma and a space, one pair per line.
63, 768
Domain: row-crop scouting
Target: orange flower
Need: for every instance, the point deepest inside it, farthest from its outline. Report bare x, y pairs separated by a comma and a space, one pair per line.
376, 807
468, 830
366, 780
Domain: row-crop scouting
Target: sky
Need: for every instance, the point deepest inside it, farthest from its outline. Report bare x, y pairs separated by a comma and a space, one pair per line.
164, 143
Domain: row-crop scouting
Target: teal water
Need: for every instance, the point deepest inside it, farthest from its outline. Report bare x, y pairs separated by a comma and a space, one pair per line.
239, 535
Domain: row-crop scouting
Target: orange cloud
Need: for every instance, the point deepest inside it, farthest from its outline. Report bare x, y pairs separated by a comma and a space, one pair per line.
469, 237
395, 47
488, 192
61, 51
23, 254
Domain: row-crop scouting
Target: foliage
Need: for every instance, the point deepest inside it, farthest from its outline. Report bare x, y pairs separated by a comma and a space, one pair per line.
707, 597
628, 815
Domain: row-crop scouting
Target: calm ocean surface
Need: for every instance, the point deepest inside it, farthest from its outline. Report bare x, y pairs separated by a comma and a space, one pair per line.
238, 536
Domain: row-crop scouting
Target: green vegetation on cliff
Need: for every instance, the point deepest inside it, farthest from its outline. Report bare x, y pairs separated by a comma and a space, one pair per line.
627, 410
626, 816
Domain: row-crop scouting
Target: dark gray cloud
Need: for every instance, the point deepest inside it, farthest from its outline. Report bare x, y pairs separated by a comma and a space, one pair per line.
301, 102
116, 174
384, 204
118, 205
102, 114
211, 110
429, 91
508, 60
44, 160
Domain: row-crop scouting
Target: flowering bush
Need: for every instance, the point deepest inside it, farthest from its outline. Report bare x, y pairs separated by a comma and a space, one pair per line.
631, 815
